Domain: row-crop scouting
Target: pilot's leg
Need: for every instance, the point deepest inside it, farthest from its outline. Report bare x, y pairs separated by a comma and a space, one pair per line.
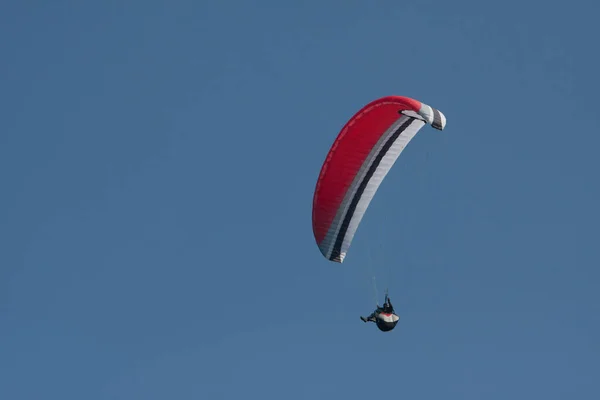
370, 318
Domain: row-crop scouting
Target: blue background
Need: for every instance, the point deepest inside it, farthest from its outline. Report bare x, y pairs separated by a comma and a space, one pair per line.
157, 166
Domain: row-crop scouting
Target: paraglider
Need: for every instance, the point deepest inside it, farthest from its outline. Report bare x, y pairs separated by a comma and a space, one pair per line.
359, 159
384, 317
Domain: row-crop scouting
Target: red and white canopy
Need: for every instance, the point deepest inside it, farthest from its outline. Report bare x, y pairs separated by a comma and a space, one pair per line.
361, 156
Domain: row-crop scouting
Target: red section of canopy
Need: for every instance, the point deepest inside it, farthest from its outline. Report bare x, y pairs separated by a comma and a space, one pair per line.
348, 153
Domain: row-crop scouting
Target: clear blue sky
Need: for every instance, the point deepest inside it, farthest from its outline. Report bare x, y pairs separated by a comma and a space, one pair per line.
157, 166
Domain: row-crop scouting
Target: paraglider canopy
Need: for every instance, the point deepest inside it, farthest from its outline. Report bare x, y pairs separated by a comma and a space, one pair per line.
358, 161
